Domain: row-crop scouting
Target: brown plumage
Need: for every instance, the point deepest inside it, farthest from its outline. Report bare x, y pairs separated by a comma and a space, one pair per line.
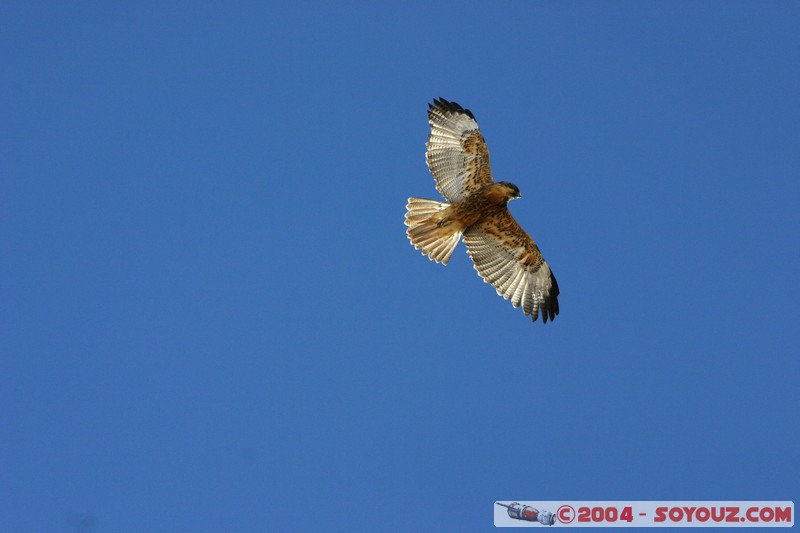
476, 208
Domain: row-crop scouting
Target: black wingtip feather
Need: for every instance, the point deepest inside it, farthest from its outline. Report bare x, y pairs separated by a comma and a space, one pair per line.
552, 304
451, 107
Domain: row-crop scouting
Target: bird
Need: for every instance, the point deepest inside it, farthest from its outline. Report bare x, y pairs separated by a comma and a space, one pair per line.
476, 210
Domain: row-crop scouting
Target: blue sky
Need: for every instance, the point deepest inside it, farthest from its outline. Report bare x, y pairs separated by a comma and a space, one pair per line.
212, 319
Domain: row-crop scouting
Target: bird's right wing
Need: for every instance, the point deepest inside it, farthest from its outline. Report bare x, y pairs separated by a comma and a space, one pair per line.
457, 155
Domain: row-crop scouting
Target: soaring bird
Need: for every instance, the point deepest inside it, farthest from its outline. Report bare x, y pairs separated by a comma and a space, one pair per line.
477, 210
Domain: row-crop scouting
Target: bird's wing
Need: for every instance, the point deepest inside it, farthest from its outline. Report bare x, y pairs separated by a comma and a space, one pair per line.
457, 155
506, 256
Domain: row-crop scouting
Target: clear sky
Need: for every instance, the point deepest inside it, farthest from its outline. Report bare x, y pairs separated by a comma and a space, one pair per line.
212, 319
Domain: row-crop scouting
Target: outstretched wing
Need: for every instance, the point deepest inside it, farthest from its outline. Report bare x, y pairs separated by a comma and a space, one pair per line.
457, 155
506, 256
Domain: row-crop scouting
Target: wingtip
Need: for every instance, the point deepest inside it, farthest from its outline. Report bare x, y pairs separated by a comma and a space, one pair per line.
551, 310
449, 106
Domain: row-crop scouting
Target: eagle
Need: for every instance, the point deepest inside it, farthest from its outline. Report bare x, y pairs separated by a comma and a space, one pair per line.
477, 211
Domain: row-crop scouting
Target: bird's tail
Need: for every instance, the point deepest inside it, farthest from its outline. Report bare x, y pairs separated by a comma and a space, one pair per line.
430, 229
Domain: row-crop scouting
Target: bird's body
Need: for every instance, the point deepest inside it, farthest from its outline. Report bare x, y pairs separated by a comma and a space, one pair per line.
484, 202
504, 255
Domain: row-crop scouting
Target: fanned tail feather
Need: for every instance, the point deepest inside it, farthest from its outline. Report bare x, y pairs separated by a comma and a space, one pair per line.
429, 229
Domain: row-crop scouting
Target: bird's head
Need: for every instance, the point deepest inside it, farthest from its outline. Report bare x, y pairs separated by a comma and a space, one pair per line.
511, 190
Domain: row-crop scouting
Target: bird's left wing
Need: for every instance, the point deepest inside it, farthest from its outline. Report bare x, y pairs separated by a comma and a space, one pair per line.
506, 256
457, 155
